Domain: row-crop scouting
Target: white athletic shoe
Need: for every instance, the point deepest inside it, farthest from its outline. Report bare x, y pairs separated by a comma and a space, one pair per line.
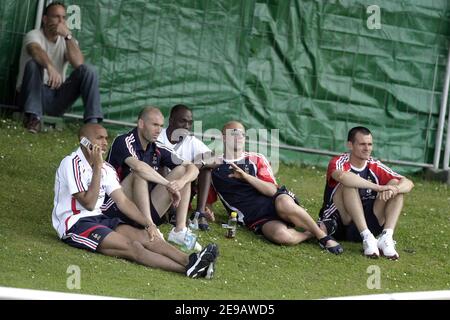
387, 246
370, 247
183, 238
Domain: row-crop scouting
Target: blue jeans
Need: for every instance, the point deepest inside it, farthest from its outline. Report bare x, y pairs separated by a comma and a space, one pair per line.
38, 98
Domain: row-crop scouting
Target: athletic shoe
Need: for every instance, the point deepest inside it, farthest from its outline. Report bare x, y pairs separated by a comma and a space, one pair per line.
370, 247
386, 245
183, 237
200, 263
337, 249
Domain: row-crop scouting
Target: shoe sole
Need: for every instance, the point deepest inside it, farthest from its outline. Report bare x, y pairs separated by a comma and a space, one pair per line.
372, 256
203, 261
210, 271
394, 257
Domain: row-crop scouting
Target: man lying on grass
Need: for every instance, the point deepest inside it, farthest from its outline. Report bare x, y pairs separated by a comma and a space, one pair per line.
245, 183
81, 182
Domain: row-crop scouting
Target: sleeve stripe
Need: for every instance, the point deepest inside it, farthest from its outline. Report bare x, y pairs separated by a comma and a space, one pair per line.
76, 172
386, 169
340, 162
129, 143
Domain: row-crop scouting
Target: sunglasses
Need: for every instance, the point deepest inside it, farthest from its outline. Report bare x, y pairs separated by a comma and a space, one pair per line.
235, 132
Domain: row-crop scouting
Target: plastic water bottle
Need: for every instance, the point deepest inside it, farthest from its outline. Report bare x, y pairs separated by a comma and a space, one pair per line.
232, 224
194, 223
189, 241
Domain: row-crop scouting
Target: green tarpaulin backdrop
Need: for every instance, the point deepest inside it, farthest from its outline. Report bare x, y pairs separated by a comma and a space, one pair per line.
312, 69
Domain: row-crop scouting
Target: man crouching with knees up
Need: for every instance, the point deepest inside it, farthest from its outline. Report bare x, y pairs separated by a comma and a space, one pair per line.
363, 197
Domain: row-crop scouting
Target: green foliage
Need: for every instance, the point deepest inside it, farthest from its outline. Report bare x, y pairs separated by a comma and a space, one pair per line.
249, 267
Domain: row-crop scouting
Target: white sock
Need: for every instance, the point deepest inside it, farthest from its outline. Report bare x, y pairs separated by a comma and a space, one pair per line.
388, 232
365, 234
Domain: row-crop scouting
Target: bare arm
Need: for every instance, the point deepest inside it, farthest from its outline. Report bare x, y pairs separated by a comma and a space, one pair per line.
73, 53
349, 179
145, 171
40, 56
264, 187
128, 207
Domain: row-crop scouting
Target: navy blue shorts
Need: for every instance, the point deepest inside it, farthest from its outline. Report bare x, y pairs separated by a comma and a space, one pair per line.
87, 233
111, 210
270, 213
351, 233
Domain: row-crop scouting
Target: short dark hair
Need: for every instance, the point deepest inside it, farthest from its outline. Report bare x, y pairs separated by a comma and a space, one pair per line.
55, 3
353, 131
177, 108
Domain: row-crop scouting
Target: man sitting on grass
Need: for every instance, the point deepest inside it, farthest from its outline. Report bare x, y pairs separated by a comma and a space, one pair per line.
363, 197
245, 183
81, 182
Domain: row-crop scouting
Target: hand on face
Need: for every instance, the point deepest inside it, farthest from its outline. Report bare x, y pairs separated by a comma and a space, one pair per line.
96, 155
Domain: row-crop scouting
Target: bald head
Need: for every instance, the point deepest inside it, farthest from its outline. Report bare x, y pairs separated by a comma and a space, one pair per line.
232, 125
96, 134
149, 112
89, 129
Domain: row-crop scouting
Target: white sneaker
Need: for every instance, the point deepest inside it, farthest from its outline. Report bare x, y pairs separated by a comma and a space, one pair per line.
387, 246
370, 247
181, 239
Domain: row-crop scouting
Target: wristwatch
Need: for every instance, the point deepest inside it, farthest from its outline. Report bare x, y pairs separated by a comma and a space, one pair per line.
68, 37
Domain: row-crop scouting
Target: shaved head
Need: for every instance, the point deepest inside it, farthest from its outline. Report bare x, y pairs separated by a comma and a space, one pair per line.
232, 125
96, 134
89, 129
148, 112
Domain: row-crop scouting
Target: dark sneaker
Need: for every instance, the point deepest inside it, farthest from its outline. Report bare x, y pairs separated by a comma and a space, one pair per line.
200, 263
32, 123
337, 249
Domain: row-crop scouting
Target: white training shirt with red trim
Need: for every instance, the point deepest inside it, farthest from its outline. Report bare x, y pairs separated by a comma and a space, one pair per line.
74, 175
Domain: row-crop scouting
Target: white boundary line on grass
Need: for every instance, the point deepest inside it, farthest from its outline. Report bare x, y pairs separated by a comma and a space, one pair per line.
419, 295
29, 294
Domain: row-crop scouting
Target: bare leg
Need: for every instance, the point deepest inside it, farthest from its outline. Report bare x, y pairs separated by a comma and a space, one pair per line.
157, 245
117, 245
136, 189
289, 211
388, 212
204, 182
278, 232
162, 200
350, 207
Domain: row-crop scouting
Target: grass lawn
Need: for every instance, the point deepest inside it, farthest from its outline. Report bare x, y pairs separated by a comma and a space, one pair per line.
249, 267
